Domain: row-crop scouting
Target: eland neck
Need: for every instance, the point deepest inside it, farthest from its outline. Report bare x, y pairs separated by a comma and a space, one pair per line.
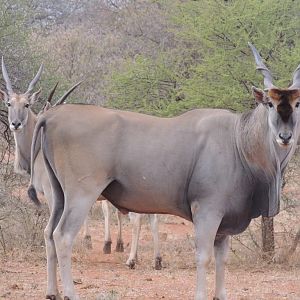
256, 145
23, 141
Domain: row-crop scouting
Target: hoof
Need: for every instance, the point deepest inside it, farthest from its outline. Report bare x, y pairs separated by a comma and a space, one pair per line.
51, 297
216, 298
75, 297
158, 265
119, 246
107, 248
87, 242
131, 264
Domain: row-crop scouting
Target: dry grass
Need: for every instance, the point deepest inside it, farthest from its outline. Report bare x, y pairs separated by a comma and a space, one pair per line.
21, 225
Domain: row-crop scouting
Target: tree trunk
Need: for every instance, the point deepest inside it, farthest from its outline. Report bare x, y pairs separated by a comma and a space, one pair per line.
268, 241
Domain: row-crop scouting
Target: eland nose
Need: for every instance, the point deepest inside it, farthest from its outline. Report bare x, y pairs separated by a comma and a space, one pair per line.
16, 124
285, 137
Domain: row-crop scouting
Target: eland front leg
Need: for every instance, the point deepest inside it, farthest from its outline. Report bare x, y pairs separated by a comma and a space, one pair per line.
136, 228
107, 236
206, 226
221, 252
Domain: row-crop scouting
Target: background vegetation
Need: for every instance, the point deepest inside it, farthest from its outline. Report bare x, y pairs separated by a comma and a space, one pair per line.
159, 57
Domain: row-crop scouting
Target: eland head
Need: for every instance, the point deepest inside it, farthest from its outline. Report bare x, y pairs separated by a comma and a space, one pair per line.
19, 104
283, 105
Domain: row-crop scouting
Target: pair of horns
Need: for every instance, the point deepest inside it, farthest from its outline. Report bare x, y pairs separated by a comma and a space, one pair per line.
31, 84
62, 99
268, 79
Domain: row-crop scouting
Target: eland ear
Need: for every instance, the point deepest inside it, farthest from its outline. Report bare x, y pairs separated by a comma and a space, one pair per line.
3, 96
34, 96
259, 95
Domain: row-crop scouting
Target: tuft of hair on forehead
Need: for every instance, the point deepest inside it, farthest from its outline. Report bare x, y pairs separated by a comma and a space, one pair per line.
285, 99
284, 94
19, 98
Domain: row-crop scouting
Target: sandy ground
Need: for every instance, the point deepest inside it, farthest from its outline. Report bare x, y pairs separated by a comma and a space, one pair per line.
100, 276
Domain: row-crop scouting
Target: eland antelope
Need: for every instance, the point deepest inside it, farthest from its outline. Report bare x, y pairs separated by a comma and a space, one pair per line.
22, 121
213, 167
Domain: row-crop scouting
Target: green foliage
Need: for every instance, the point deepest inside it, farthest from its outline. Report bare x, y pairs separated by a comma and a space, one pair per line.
219, 32
159, 57
16, 45
144, 85
13, 35
210, 62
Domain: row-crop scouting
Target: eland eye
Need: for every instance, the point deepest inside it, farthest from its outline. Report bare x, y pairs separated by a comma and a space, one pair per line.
270, 104
297, 104
27, 105
8, 104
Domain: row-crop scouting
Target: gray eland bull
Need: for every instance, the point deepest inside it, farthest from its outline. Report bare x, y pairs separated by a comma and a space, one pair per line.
213, 167
22, 121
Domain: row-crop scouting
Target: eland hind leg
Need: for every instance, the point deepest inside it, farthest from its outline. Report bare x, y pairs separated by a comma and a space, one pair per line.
52, 289
136, 228
120, 244
76, 207
54, 195
153, 219
107, 236
206, 224
87, 239
221, 248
